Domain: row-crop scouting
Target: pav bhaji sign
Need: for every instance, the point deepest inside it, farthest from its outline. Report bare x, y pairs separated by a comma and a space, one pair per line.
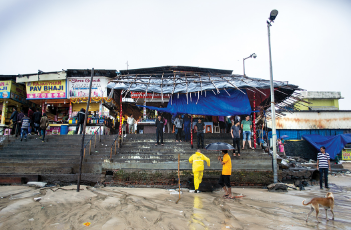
46, 90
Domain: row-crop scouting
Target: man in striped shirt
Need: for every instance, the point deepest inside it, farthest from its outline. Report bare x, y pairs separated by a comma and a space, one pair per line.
323, 164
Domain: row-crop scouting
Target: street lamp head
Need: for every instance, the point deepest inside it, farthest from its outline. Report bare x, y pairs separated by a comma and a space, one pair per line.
254, 55
273, 15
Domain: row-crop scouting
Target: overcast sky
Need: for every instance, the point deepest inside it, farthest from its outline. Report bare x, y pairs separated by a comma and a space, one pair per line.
311, 39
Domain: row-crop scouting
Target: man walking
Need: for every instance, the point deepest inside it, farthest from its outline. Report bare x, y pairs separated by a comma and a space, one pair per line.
131, 122
224, 179
25, 125
19, 122
13, 118
159, 129
246, 127
36, 118
235, 132
197, 160
199, 129
323, 164
81, 118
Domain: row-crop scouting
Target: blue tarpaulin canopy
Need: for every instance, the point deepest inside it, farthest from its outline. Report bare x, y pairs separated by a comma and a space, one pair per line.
332, 144
230, 102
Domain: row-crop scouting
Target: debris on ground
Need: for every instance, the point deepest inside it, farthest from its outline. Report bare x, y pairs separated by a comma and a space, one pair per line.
278, 187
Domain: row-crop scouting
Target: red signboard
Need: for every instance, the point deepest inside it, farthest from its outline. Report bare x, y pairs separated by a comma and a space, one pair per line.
149, 95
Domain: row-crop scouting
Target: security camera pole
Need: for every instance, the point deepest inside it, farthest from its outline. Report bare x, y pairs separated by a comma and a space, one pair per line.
272, 17
251, 56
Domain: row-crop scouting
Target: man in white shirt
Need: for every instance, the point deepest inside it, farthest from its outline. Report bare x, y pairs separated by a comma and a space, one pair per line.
131, 122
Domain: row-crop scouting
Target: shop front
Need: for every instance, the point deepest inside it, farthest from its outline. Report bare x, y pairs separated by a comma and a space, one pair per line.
50, 97
12, 95
99, 120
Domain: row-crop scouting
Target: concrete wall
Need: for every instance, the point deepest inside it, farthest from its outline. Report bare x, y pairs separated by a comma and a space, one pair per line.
322, 104
301, 149
314, 120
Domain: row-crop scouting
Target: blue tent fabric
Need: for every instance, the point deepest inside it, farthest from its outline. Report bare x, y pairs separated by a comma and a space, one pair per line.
333, 144
209, 104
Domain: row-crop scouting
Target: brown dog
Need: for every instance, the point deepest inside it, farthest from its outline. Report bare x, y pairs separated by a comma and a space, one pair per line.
327, 203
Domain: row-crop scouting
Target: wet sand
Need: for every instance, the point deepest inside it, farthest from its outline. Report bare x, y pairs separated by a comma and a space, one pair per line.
148, 208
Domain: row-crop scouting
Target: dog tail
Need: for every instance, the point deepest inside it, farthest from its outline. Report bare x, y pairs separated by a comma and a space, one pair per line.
303, 202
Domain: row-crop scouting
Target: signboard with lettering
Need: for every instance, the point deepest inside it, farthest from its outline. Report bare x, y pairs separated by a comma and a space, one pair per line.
5, 88
46, 90
79, 87
346, 154
149, 95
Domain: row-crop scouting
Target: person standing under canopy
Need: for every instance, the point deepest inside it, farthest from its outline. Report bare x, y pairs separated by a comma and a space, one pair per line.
159, 129
199, 129
178, 122
246, 125
197, 160
187, 127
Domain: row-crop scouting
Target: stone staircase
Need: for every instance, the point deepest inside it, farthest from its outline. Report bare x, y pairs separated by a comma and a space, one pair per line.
140, 152
57, 160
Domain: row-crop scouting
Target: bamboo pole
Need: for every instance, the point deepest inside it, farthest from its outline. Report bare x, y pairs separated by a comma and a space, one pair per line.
111, 153
178, 178
83, 136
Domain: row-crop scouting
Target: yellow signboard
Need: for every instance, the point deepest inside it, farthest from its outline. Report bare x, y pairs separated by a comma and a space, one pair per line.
5, 87
346, 154
46, 89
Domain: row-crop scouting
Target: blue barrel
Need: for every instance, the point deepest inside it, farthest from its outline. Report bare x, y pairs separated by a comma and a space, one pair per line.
64, 129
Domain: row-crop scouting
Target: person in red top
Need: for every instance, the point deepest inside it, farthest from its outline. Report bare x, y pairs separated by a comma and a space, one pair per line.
30, 115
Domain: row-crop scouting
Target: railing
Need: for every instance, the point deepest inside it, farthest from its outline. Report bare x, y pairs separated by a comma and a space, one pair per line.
114, 143
89, 141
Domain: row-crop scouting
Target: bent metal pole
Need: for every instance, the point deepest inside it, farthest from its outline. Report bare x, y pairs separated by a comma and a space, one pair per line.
85, 123
274, 132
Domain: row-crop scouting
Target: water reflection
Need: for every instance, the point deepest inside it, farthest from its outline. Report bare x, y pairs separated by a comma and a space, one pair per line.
197, 218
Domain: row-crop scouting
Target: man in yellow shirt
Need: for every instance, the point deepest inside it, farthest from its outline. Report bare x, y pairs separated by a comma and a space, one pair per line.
197, 160
224, 179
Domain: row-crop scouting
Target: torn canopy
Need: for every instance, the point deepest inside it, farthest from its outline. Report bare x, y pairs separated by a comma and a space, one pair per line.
208, 104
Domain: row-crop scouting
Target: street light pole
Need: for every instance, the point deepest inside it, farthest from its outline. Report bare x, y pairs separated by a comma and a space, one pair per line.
251, 56
273, 15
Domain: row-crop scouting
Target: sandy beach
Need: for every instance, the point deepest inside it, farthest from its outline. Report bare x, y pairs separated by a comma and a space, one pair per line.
150, 208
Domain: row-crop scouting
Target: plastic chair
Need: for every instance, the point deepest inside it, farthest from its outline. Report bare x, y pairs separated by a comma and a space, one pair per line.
208, 129
216, 129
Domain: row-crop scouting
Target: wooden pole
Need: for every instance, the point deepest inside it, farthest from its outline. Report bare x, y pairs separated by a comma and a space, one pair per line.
95, 142
111, 153
178, 177
82, 153
90, 148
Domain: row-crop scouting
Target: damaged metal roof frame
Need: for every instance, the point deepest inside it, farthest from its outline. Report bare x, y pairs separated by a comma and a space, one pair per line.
186, 80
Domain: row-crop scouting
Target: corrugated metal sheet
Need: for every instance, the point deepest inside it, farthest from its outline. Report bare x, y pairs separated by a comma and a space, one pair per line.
314, 120
42, 77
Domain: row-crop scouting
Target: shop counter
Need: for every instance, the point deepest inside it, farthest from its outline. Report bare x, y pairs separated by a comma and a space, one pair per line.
146, 127
69, 129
